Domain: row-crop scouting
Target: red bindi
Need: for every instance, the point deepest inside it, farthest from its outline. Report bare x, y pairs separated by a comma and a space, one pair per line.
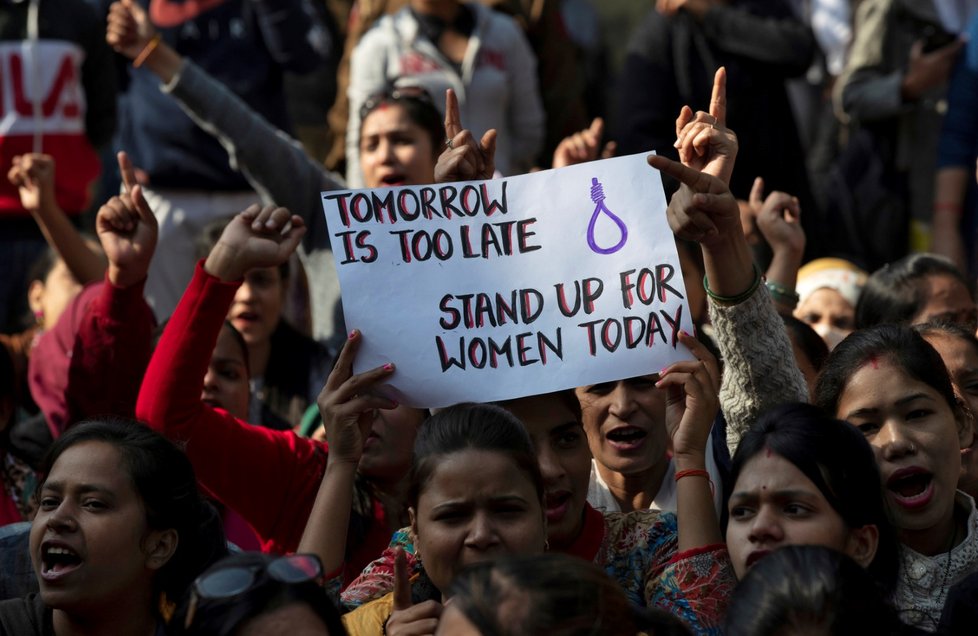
873, 361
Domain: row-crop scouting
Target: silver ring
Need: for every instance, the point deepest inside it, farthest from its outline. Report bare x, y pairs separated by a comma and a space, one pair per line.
448, 144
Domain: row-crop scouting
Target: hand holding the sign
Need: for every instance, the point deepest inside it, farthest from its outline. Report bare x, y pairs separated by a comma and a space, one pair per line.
348, 409
703, 140
691, 407
408, 619
692, 401
347, 405
464, 159
258, 237
583, 146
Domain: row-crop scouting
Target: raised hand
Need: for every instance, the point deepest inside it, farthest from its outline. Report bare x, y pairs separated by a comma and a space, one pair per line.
583, 146
127, 229
703, 209
258, 237
692, 402
33, 176
778, 217
703, 140
464, 159
347, 405
128, 29
408, 619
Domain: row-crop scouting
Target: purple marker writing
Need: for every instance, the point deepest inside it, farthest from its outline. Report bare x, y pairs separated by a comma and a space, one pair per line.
597, 196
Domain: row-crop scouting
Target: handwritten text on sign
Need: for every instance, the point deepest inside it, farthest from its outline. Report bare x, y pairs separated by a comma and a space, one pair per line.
498, 289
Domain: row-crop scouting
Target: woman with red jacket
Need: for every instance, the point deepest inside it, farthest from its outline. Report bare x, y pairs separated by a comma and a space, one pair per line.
268, 477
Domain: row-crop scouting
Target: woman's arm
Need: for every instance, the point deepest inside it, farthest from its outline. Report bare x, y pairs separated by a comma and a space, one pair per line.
269, 477
759, 369
33, 175
691, 406
347, 407
274, 163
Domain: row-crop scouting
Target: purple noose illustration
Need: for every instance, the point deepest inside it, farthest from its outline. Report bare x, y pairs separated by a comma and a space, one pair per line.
597, 196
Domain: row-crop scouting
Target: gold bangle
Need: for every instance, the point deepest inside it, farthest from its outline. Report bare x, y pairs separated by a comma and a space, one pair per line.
147, 51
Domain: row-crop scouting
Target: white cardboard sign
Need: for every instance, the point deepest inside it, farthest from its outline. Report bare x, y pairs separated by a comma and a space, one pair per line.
491, 290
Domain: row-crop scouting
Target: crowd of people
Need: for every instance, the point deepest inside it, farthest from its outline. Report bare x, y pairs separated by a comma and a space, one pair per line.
185, 447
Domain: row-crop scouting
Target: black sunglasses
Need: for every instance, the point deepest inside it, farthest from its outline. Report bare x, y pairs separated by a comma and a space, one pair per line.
416, 93
233, 581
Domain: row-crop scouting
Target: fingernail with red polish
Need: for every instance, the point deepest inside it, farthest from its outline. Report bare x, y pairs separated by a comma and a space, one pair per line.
353, 334
388, 367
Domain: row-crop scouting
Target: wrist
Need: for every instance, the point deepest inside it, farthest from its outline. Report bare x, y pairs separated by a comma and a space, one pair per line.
222, 263
125, 276
689, 460
337, 465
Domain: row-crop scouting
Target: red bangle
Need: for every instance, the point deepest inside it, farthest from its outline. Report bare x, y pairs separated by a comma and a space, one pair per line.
692, 473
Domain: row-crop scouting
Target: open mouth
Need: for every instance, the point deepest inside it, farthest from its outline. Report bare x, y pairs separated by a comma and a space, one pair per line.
372, 438
627, 437
557, 504
911, 487
393, 179
247, 316
212, 402
57, 561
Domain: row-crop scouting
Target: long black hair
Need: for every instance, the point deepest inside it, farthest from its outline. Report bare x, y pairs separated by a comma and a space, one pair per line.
164, 479
839, 461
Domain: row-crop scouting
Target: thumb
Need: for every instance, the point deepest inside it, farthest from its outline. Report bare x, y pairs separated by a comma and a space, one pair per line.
488, 143
142, 207
135, 10
716, 203
757, 192
402, 583
596, 130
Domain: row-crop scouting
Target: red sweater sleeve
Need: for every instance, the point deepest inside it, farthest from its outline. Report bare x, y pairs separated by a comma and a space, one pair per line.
268, 477
113, 341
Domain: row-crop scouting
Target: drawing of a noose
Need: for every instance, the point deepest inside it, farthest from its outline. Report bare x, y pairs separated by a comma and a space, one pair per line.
597, 196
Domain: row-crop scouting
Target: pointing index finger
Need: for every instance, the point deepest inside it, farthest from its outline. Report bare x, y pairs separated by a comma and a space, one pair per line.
718, 103
453, 120
402, 583
125, 169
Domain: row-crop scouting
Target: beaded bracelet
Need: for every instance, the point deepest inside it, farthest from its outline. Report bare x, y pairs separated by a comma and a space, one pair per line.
734, 300
782, 294
147, 51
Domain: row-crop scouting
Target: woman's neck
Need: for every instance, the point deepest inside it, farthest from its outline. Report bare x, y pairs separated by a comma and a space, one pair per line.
636, 491
258, 356
937, 539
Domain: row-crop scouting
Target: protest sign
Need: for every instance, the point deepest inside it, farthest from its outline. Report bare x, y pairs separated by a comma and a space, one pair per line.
490, 290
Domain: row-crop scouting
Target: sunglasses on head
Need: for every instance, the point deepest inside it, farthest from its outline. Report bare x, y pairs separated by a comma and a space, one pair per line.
415, 93
236, 580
